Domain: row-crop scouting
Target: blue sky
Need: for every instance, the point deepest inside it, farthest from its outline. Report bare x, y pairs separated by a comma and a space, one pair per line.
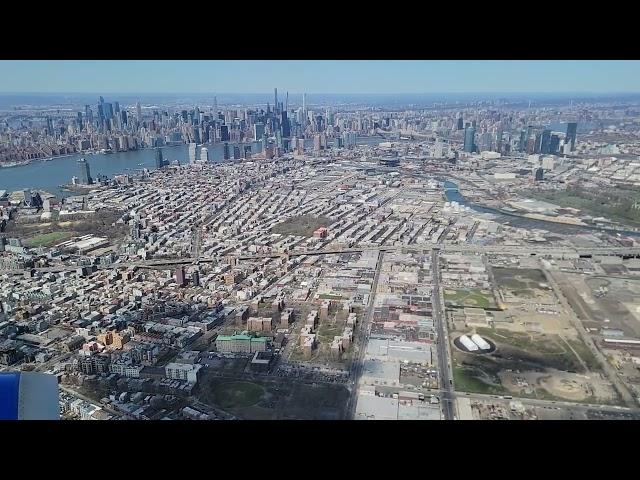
325, 76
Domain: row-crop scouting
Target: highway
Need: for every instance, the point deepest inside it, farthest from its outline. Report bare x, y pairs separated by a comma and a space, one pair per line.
362, 338
495, 249
444, 365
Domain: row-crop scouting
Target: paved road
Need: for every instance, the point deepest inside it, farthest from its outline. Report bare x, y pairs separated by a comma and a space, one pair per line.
444, 365
584, 407
503, 250
357, 364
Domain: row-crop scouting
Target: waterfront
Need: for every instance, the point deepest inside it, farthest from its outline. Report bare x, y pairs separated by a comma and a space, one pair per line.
453, 195
49, 174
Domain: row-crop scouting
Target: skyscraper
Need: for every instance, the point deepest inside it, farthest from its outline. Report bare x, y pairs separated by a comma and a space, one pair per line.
204, 155
84, 174
275, 105
571, 134
224, 133
192, 153
469, 139
545, 141
258, 131
304, 103
159, 160
226, 154
139, 112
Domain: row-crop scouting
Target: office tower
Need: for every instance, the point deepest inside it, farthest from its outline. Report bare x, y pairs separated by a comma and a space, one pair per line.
469, 139
338, 142
236, 152
286, 102
522, 144
84, 174
258, 131
101, 100
192, 153
554, 144
116, 108
159, 159
49, 125
123, 114
275, 105
247, 151
349, 139
304, 103
180, 278
460, 124
317, 143
224, 133
215, 107
107, 109
284, 125
88, 113
196, 135
226, 154
139, 112
204, 155
80, 121
545, 140
571, 134
195, 279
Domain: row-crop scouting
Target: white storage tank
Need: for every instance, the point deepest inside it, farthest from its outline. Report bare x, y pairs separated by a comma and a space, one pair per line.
468, 343
480, 342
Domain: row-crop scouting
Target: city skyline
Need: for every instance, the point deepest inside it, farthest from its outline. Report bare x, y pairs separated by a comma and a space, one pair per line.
413, 77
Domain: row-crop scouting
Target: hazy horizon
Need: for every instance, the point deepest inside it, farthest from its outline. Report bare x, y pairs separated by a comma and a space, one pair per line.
353, 77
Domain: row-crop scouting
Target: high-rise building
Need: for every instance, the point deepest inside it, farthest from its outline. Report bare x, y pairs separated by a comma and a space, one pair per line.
180, 277
572, 128
192, 153
224, 133
545, 141
275, 105
460, 124
538, 174
84, 174
204, 155
469, 139
226, 154
258, 131
139, 112
236, 152
159, 160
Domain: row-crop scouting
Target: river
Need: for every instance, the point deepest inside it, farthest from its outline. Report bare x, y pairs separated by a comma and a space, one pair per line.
50, 174
515, 220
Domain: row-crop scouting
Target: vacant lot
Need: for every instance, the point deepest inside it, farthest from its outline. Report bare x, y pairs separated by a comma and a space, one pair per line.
54, 231
47, 239
469, 298
520, 352
302, 226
